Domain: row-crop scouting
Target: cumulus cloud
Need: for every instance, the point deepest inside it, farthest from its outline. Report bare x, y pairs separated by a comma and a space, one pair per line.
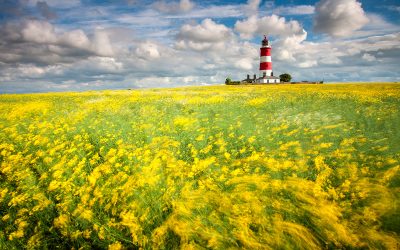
38, 32
165, 47
74, 38
368, 57
339, 18
207, 31
288, 46
39, 41
269, 25
202, 36
30, 71
100, 65
101, 43
36, 46
173, 7
347, 60
308, 64
251, 8
185, 5
377, 25
147, 50
244, 64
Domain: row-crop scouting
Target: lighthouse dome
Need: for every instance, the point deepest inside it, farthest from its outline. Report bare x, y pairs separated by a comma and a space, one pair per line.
265, 41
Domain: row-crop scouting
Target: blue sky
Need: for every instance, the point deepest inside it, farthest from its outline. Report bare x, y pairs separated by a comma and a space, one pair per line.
78, 45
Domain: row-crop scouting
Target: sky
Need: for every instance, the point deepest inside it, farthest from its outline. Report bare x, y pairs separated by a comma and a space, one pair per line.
77, 45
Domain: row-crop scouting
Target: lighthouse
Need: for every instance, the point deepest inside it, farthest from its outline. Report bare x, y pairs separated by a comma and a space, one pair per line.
265, 58
266, 73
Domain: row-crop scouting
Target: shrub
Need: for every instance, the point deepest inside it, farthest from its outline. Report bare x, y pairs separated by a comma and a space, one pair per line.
285, 77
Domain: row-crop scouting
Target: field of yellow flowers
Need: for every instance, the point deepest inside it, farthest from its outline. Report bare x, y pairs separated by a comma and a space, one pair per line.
222, 167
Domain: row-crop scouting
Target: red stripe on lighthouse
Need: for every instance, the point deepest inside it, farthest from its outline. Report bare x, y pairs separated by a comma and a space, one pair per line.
266, 66
265, 51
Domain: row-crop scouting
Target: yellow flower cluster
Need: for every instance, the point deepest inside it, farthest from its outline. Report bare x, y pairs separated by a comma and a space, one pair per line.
222, 167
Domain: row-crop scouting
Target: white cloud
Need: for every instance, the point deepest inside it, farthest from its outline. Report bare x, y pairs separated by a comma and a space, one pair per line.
377, 25
186, 5
339, 18
203, 36
295, 10
287, 46
268, 25
308, 64
100, 65
39, 44
173, 7
251, 8
149, 48
147, 51
212, 11
147, 19
38, 32
31, 71
244, 64
285, 55
330, 60
372, 44
198, 46
75, 38
310, 60
368, 57
248, 27
206, 31
101, 43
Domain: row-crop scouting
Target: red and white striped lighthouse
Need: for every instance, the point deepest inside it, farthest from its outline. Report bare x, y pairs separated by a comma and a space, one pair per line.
265, 59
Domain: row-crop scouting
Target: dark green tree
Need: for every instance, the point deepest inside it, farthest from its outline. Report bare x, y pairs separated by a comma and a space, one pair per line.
228, 80
285, 77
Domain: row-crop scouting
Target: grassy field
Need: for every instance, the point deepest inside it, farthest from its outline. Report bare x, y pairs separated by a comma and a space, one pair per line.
224, 167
